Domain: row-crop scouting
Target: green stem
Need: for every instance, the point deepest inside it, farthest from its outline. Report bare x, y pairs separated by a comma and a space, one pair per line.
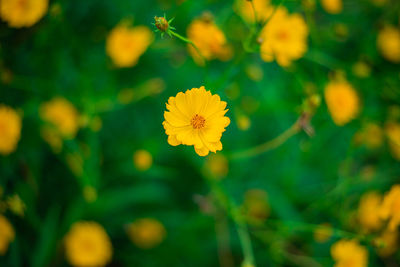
269, 145
227, 203
245, 241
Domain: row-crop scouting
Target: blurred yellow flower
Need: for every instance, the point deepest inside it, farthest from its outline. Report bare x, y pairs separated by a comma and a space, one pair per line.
146, 233
323, 233
217, 165
196, 118
390, 209
283, 38
22, 13
10, 130
142, 160
361, 69
371, 135
62, 115
255, 206
368, 211
387, 243
126, 44
388, 43
243, 122
332, 6
52, 137
16, 205
7, 234
88, 245
263, 10
349, 253
209, 39
392, 130
254, 72
342, 101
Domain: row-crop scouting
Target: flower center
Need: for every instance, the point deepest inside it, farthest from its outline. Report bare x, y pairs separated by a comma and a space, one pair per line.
283, 35
198, 121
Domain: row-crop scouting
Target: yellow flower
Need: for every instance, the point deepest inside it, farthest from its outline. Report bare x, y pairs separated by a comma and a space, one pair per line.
254, 72
323, 233
10, 130
22, 13
209, 39
61, 114
387, 243
332, 6
361, 69
262, 7
142, 160
390, 209
53, 138
255, 206
196, 118
368, 211
146, 233
349, 253
342, 101
7, 234
371, 135
243, 122
126, 44
388, 43
87, 244
16, 205
217, 165
283, 38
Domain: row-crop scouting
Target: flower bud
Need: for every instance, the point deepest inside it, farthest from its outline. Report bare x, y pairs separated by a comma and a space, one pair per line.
161, 23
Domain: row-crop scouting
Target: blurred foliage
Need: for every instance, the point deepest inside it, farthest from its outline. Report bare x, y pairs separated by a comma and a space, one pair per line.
118, 169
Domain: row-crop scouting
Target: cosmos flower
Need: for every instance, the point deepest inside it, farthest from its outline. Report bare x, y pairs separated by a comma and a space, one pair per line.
349, 253
388, 43
368, 211
196, 118
209, 39
10, 129
332, 6
62, 115
323, 233
387, 242
146, 233
88, 245
22, 13
390, 209
283, 38
126, 44
142, 159
262, 8
342, 101
7, 234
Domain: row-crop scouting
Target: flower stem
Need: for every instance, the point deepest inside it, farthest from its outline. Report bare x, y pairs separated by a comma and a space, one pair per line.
228, 204
245, 241
269, 145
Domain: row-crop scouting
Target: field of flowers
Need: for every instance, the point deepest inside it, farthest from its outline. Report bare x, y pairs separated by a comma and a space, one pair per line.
200, 133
